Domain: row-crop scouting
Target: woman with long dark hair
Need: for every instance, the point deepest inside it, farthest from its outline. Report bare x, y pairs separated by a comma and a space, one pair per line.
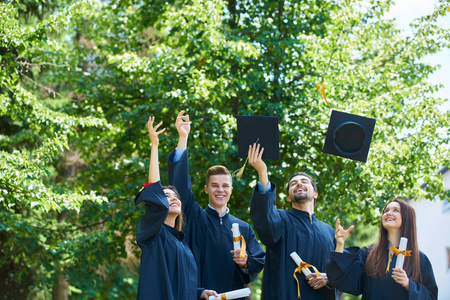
168, 270
369, 271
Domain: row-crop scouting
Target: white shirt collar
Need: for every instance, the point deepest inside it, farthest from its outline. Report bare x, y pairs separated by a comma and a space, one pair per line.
226, 212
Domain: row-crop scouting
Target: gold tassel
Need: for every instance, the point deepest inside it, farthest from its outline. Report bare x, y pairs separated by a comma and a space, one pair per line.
321, 88
239, 172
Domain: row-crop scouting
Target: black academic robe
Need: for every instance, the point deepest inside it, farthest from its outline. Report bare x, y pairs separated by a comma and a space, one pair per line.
168, 270
346, 272
284, 232
210, 237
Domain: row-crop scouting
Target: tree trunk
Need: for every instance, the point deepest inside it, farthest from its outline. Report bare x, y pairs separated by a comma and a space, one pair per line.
60, 289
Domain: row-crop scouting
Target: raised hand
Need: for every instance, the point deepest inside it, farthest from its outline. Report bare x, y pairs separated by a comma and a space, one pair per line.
255, 160
341, 235
153, 172
183, 127
182, 124
153, 131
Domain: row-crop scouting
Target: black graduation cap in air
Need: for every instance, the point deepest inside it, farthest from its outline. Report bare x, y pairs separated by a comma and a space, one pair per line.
258, 129
349, 136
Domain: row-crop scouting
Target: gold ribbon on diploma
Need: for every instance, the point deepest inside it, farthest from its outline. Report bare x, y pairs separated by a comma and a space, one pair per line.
223, 297
299, 270
243, 247
396, 252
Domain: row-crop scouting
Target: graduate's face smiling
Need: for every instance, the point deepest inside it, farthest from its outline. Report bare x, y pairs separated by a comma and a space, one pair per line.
174, 202
301, 189
219, 190
392, 218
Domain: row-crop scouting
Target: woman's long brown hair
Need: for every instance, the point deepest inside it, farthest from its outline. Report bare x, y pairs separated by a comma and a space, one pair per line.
376, 261
180, 219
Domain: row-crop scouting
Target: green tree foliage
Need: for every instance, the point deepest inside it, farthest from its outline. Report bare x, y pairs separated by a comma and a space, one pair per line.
82, 78
34, 243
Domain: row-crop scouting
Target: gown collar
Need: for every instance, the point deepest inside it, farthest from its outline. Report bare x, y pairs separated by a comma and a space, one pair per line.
303, 214
212, 211
178, 234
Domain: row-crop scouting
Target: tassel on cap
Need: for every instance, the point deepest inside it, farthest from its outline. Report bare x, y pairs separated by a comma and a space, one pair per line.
321, 88
239, 172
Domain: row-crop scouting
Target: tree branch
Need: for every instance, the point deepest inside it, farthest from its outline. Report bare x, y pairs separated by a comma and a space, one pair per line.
17, 190
25, 63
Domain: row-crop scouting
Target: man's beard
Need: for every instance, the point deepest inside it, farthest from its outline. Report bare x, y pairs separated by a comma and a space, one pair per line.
300, 198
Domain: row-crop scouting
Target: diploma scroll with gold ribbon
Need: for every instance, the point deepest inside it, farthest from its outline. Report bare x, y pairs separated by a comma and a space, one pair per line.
237, 238
401, 252
298, 261
401, 257
302, 267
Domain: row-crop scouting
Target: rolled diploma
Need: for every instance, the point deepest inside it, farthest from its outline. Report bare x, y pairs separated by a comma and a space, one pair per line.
298, 260
401, 257
236, 234
233, 294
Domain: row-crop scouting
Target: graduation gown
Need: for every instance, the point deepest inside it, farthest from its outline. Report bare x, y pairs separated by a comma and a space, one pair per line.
284, 232
168, 270
210, 237
346, 271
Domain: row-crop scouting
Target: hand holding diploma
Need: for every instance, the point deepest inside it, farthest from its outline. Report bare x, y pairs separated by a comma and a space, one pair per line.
316, 280
398, 274
400, 253
299, 261
241, 262
239, 254
207, 294
232, 295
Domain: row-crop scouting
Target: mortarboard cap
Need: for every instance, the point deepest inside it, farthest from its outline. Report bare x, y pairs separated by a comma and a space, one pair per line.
349, 136
260, 129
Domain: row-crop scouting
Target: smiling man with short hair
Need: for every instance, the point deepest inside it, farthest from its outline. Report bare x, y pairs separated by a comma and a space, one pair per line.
208, 231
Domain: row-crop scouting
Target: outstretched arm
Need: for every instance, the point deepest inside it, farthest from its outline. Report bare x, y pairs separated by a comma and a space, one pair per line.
341, 235
183, 127
153, 172
266, 218
178, 168
156, 204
